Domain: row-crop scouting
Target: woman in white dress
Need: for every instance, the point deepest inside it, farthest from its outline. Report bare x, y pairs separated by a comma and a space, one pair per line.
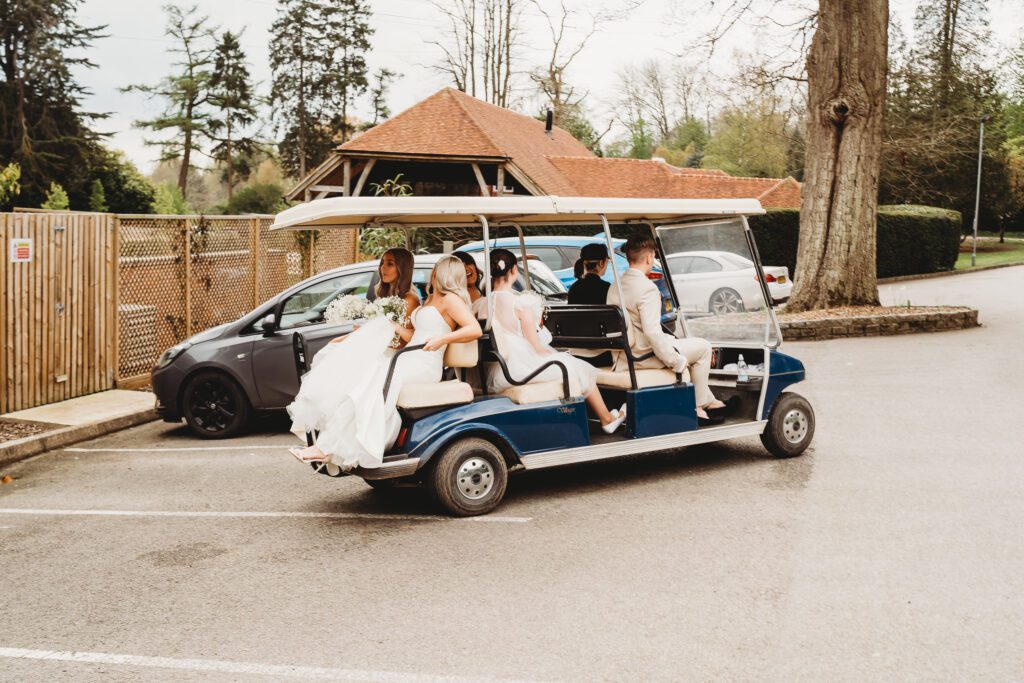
516, 324
342, 395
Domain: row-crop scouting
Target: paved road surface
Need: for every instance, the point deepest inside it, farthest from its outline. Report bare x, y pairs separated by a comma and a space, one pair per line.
892, 550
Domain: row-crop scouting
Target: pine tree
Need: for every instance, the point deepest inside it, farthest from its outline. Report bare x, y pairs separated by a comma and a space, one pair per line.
42, 126
347, 24
232, 99
97, 198
300, 55
940, 87
379, 94
56, 198
186, 93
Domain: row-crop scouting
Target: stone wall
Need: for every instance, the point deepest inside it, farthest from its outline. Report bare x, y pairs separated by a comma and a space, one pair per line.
949, 318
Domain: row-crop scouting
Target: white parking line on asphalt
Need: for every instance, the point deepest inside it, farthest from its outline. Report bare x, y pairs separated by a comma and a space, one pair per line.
250, 668
173, 449
217, 513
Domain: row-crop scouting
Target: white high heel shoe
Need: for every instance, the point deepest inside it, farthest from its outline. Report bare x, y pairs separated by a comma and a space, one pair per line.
614, 424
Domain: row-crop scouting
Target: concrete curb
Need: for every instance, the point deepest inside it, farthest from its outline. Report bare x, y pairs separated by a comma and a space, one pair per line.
19, 449
945, 273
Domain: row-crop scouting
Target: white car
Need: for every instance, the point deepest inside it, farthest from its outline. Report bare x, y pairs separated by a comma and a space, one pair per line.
722, 282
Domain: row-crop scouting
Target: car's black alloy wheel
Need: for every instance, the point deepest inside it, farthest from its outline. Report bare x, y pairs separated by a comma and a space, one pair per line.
214, 406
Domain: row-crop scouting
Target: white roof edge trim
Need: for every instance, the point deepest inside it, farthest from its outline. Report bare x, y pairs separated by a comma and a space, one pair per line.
349, 212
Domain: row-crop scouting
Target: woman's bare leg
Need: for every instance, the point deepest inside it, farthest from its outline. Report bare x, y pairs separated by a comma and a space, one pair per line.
596, 403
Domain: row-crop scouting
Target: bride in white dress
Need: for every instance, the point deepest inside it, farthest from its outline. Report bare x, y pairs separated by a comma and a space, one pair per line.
524, 343
342, 396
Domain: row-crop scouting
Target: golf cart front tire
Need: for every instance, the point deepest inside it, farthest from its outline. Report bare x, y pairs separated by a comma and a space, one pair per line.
790, 426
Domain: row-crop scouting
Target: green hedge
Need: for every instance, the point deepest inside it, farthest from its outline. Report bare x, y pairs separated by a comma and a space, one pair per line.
911, 239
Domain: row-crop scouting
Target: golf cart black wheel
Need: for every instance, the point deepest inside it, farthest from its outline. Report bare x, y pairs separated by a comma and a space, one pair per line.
724, 301
790, 426
215, 406
469, 478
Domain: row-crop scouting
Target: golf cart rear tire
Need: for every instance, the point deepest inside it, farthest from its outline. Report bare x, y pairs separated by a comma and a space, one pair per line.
790, 426
469, 478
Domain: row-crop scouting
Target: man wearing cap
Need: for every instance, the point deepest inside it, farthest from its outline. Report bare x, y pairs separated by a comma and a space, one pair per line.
591, 289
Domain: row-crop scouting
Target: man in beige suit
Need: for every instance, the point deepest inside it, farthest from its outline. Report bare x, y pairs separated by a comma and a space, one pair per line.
643, 308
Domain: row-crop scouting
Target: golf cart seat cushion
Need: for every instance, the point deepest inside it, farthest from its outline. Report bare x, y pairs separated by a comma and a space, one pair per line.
428, 394
461, 355
538, 392
653, 377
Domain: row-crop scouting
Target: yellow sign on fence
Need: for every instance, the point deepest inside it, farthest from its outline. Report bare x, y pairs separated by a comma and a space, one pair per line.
21, 250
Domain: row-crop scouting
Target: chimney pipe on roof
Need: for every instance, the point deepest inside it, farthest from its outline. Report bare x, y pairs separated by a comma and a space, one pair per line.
549, 121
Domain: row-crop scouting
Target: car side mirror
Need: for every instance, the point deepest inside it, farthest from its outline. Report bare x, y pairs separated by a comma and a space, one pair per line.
269, 323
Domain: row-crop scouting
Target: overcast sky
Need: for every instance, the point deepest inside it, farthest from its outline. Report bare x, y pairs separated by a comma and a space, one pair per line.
135, 51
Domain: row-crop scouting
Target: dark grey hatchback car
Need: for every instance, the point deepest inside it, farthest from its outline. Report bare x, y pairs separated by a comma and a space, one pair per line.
216, 379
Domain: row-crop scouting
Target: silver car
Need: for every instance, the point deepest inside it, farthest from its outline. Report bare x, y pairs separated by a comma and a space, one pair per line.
216, 379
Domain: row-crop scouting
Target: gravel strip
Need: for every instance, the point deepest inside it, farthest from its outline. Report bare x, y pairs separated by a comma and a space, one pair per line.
12, 429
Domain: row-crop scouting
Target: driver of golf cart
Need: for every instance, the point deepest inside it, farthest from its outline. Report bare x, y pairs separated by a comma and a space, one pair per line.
642, 302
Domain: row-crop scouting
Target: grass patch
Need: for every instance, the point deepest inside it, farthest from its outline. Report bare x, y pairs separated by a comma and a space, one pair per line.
990, 253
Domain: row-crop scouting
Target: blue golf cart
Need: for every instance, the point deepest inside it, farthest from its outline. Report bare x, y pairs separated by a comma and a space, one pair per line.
461, 441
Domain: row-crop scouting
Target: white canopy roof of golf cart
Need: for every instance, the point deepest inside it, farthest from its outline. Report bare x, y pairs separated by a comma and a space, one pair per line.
349, 212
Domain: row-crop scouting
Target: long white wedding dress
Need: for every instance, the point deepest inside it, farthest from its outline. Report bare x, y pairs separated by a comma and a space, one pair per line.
521, 358
342, 394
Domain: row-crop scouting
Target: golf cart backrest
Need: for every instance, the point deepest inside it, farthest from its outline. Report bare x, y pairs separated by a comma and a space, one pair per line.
604, 327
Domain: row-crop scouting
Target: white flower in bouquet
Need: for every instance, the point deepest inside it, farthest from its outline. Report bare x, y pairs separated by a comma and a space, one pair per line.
392, 308
345, 309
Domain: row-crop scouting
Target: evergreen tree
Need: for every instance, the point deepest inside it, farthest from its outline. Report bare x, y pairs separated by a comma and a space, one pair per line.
42, 126
300, 54
347, 24
379, 94
97, 198
187, 114
56, 198
124, 188
939, 90
232, 99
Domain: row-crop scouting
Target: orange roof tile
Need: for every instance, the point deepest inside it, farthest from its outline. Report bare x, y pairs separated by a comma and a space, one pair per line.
453, 123
617, 177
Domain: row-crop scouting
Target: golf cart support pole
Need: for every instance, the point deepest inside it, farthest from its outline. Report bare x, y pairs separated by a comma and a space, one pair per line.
487, 268
526, 261
615, 271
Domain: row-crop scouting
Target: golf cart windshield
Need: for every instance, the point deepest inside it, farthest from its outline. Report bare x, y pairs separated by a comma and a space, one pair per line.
718, 282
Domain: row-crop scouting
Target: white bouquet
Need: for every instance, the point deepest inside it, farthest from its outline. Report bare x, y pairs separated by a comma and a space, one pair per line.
391, 307
350, 307
345, 309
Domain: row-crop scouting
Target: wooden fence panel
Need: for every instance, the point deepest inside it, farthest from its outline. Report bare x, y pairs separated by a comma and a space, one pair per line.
104, 295
56, 311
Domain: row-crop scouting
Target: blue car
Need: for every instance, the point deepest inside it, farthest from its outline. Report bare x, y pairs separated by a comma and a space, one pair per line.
462, 438
559, 253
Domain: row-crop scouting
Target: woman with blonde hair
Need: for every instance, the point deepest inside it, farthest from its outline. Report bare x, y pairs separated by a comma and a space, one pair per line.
342, 397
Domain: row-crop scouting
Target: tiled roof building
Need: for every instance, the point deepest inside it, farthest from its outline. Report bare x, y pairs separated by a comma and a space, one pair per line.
454, 144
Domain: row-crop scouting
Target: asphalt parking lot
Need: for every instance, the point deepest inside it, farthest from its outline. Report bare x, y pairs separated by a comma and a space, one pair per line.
891, 550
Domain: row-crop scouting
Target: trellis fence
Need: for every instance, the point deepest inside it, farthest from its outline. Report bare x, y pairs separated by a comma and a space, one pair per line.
104, 295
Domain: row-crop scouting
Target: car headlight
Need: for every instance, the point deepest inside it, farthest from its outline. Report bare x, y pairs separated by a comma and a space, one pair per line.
168, 356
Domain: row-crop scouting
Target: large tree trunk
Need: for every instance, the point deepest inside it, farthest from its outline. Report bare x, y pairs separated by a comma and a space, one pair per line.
846, 71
